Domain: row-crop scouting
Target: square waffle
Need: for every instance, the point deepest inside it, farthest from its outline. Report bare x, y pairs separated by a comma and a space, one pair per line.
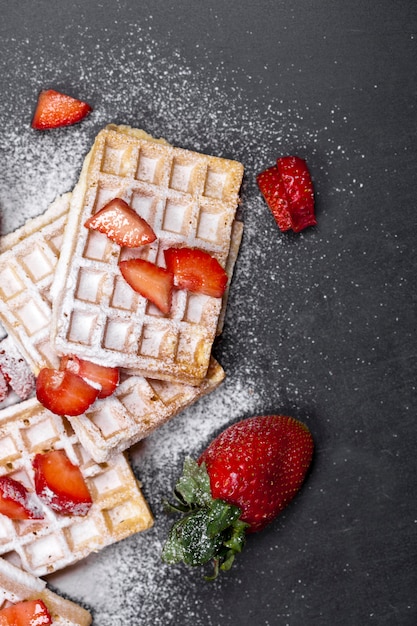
188, 199
47, 545
18, 586
27, 264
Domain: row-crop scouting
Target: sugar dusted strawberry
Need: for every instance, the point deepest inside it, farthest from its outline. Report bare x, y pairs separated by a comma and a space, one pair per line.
241, 482
196, 270
272, 187
60, 483
16, 501
288, 191
26, 613
63, 392
105, 379
298, 185
55, 109
120, 223
151, 281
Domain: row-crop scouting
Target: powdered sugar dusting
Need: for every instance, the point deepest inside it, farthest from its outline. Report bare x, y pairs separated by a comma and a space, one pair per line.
144, 84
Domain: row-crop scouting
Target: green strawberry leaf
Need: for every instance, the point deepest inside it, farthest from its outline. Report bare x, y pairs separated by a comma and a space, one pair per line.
210, 529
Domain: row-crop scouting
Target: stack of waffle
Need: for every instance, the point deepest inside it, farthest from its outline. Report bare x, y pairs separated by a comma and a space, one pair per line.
61, 292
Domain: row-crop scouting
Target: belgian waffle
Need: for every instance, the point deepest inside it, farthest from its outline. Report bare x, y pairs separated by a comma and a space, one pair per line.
17, 586
188, 199
27, 264
47, 545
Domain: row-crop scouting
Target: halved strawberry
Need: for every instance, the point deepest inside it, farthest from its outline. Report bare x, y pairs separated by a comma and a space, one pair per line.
60, 483
26, 613
196, 270
15, 370
105, 378
272, 187
288, 191
15, 500
120, 223
63, 392
296, 178
151, 281
56, 109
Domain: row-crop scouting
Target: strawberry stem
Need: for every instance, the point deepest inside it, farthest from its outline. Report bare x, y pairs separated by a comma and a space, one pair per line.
210, 529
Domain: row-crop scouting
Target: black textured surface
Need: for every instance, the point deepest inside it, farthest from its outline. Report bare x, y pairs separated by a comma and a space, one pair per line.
320, 325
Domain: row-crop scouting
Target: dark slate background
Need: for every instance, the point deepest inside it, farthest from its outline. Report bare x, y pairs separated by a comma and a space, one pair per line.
337, 322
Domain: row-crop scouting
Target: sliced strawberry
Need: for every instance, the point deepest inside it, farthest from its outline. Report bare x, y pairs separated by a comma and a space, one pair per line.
56, 109
196, 270
151, 281
288, 191
299, 189
120, 223
26, 613
15, 500
60, 483
273, 189
105, 378
64, 392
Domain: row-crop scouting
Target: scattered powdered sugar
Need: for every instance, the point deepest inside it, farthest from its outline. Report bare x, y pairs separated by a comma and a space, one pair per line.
145, 84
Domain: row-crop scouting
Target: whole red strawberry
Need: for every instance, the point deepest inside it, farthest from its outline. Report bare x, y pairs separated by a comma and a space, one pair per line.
240, 483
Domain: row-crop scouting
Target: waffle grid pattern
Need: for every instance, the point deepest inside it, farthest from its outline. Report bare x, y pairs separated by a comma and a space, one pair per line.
18, 586
27, 265
44, 546
188, 199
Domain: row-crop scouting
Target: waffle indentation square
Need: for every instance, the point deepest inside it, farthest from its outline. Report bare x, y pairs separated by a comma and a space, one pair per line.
192, 347
106, 484
10, 283
107, 193
83, 533
82, 326
158, 342
44, 551
105, 418
139, 398
124, 297
117, 160
177, 217
196, 307
98, 247
182, 177
32, 318
122, 515
144, 205
151, 165
8, 450
117, 334
36, 264
215, 182
40, 436
90, 285
211, 224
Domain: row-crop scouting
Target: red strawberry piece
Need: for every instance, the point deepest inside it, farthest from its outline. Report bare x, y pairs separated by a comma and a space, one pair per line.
288, 191
196, 270
16, 502
299, 189
105, 379
151, 281
26, 613
56, 109
63, 392
241, 482
15, 370
273, 189
120, 223
60, 483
